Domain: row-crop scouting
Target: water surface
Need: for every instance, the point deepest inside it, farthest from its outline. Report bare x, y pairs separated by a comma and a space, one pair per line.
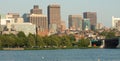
62, 55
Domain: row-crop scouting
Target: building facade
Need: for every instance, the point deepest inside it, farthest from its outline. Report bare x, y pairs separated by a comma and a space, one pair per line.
26, 17
40, 21
93, 18
36, 10
86, 24
100, 26
54, 15
62, 27
12, 15
37, 18
75, 22
25, 27
15, 16
116, 23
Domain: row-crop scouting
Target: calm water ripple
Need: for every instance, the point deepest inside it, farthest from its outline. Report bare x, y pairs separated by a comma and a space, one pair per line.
62, 55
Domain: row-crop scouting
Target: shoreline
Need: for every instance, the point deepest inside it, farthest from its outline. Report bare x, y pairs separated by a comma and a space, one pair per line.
47, 48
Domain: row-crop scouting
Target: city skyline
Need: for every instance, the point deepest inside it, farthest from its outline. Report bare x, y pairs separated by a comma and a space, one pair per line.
105, 9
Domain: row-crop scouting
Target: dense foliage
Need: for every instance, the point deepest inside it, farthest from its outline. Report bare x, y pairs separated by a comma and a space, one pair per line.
110, 34
35, 41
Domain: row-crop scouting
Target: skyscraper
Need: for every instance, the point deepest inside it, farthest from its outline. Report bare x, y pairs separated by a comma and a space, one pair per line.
36, 10
93, 19
40, 21
37, 18
75, 22
54, 15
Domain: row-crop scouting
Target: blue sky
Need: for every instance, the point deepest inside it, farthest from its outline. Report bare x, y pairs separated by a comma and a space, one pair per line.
105, 8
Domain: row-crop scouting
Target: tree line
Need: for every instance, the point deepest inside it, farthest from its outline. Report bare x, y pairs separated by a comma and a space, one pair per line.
20, 40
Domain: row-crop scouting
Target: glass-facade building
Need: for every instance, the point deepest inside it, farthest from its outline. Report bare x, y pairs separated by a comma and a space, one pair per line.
93, 18
86, 24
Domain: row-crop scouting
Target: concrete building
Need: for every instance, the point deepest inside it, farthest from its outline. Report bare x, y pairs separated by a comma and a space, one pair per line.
25, 27
118, 25
115, 21
62, 27
93, 18
54, 15
19, 20
12, 15
37, 18
36, 10
17, 27
75, 22
40, 21
100, 26
15, 16
86, 24
4, 21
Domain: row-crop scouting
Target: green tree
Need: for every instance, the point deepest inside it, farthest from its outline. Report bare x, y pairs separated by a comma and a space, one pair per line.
109, 34
65, 41
83, 42
31, 40
22, 39
72, 37
40, 42
46, 41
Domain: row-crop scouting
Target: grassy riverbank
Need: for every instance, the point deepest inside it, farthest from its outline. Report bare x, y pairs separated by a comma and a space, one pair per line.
61, 48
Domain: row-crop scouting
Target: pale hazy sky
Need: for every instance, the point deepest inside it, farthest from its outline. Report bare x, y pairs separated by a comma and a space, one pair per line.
105, 8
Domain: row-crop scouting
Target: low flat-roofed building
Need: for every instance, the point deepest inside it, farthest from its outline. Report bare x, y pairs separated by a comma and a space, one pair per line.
25, 27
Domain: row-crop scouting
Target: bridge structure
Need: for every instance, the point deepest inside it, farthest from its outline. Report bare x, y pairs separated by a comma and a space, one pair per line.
107, 43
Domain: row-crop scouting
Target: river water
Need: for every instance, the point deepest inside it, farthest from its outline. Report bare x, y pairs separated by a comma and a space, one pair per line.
62, 55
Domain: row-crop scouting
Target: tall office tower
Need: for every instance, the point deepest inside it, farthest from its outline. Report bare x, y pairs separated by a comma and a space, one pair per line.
36, 10
93, 19
40, 21
54, 16
86, 24
75, 22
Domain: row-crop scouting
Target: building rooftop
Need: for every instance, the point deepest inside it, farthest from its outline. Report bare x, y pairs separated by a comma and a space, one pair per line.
38, 15
54, 5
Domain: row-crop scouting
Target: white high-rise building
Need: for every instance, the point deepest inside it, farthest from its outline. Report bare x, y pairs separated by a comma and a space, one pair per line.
115, 22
